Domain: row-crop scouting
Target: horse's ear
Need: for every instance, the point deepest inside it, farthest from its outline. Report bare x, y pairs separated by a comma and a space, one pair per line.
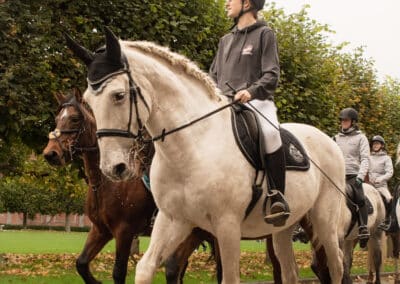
59, 97
82, 53
77, 94
112, 45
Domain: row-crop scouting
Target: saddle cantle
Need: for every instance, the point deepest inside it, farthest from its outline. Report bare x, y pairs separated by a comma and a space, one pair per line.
249, 138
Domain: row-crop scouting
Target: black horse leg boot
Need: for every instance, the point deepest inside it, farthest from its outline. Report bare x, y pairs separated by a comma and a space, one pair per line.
275, 171
363, 233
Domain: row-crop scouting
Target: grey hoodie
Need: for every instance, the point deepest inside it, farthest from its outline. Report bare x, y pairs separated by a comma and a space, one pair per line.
380, 169
248, 59
355, 148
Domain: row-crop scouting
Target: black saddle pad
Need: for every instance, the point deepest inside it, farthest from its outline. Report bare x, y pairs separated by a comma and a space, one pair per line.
249, 138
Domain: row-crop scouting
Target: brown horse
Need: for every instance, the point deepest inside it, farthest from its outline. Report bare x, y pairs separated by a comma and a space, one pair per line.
120, 210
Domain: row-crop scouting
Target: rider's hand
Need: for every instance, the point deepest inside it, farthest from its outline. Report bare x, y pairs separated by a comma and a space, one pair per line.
378, 180
359, 181
244, 96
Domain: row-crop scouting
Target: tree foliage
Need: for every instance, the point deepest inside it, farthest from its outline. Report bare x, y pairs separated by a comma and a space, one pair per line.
39, 188
34, 61
317, 78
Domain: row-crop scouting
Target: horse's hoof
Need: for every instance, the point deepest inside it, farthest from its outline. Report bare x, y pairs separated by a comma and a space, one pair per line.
363, 242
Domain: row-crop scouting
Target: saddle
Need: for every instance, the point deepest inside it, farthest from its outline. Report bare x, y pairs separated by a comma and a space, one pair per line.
350, 192
248, 137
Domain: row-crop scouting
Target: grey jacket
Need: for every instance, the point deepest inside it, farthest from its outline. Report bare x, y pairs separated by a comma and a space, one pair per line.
248, 59
380, 169
355, 148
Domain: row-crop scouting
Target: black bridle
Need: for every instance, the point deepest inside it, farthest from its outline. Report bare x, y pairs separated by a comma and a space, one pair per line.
73, 148
134, 93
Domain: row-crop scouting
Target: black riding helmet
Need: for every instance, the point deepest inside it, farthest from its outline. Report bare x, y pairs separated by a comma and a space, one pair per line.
258, 4
255, 5
349, 113
378, 138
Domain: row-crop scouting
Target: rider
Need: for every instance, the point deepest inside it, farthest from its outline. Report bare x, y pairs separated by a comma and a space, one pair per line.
380, 171
247, 61
355, 148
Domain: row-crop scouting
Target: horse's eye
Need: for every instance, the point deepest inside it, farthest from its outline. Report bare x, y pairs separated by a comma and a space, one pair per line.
75, 119
118, 96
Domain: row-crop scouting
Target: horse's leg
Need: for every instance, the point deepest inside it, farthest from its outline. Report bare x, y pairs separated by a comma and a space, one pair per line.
228, 234
347, 261
123, 241
396, 248
276, 267
166, 236
375, 255
95, 241
327, 237
176, 264
319, 263
283, 248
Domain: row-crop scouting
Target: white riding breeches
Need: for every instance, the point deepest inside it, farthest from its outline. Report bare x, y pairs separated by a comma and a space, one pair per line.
384, 191
270, 128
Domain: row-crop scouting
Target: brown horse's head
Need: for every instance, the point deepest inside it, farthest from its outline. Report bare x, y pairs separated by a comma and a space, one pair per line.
75, 130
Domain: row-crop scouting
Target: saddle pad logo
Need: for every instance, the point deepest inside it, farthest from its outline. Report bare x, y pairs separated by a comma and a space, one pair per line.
296, 154
248, 50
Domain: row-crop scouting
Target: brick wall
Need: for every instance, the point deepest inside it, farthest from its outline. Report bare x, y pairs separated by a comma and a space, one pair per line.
46, 220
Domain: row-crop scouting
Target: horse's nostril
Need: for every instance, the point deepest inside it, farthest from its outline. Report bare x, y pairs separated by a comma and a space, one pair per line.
119, 169
50, 156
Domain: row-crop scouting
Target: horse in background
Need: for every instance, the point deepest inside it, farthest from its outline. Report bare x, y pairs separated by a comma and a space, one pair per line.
350, 240
169, 91
117, 210
394, 230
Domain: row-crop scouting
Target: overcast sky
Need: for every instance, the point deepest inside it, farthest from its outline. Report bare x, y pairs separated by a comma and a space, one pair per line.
369, 23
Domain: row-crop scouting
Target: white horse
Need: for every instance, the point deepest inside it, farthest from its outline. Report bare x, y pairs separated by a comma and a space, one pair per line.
199, 176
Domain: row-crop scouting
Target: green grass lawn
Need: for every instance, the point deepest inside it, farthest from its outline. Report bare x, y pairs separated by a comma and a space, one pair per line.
32, 241
53, 253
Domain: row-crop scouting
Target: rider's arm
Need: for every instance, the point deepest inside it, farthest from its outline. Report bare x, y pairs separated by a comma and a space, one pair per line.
264, 87
364, 157
388, 170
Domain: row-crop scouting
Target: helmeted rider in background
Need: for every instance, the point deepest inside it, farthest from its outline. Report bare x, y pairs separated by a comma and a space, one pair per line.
380, 171
247, 61
355, 147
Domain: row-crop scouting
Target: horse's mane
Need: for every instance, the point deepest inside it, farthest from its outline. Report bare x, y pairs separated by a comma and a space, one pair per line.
177, 60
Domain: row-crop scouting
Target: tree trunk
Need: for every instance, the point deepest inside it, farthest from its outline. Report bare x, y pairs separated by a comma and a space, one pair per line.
67, 223
24, 220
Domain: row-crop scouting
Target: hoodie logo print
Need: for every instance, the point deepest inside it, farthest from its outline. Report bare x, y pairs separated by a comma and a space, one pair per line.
247, 50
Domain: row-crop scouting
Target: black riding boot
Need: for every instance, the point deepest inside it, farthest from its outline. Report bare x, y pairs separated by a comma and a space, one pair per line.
386, 224
363, 233
275, 171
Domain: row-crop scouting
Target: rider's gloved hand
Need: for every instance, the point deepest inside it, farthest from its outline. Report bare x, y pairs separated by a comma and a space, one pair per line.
359, 181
